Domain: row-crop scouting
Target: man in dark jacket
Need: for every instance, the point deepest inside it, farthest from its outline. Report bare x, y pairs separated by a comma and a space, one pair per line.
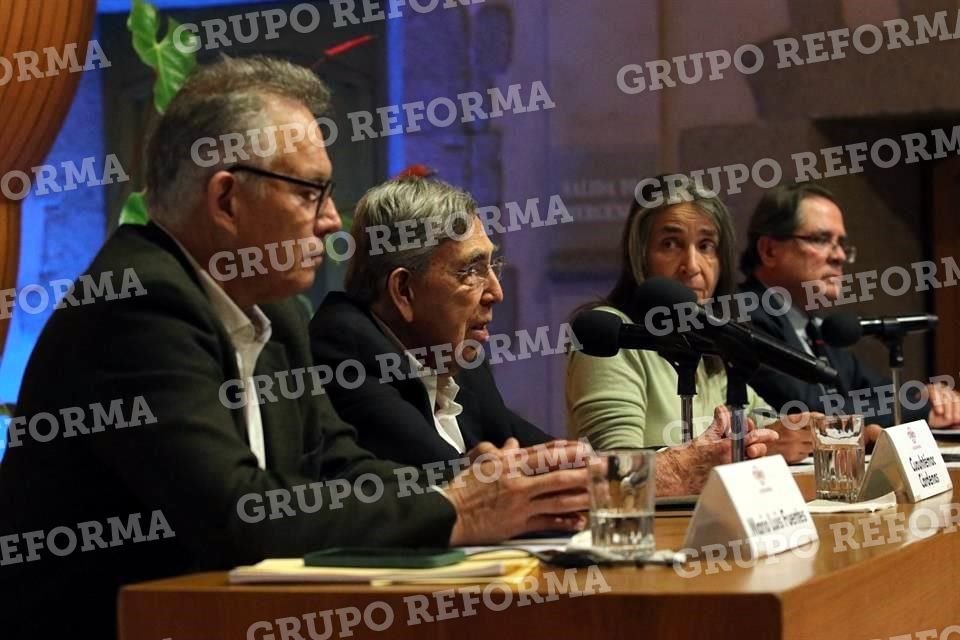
398, 403
797, 243
143, 445
425, 394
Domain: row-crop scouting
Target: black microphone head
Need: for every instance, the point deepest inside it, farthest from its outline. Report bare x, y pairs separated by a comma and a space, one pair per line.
841, 329
662, 292
598, 333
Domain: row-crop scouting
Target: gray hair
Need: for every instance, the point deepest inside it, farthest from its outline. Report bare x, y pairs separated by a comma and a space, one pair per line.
636, 234
778, 215
399, 224
636, 241
226, 97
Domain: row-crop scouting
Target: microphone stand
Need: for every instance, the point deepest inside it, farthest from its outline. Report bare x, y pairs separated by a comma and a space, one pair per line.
686, 364
739, 370
894, 343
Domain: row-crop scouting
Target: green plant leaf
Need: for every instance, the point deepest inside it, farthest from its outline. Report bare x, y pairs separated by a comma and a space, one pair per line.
134, 210
173, 61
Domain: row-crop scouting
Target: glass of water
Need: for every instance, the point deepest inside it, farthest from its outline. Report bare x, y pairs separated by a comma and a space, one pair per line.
623, 487
838, 456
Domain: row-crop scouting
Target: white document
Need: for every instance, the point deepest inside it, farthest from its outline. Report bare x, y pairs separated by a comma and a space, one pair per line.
755, 504
906, 460
496, 565
888, 501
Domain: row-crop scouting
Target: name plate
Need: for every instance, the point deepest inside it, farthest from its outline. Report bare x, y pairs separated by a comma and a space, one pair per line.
906, 460
754, 504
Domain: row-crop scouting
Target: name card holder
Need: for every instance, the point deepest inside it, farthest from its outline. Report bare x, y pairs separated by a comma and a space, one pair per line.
754, 504
906, 460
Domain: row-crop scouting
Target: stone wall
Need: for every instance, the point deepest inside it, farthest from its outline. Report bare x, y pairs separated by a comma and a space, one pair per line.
597, 137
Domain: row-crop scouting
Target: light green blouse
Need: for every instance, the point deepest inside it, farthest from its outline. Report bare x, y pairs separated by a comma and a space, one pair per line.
630, 400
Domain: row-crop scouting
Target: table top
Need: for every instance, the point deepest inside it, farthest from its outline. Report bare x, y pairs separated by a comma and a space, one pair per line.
845, 541
839, 588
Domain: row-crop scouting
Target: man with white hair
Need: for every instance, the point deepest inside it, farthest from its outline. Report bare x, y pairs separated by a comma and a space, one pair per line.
421, 288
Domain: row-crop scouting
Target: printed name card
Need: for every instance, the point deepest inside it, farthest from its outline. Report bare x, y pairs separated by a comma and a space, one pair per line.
906, 460
755, 504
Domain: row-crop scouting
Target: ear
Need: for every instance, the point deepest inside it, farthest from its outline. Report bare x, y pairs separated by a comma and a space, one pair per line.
400, 291
767, 249
220, 199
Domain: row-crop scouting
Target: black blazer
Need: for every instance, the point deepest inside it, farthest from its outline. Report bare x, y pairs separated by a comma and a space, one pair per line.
779, 388
193, 463
393, 413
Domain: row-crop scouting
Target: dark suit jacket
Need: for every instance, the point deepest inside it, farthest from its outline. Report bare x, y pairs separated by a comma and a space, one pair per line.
394, 416
193, 464
779, 388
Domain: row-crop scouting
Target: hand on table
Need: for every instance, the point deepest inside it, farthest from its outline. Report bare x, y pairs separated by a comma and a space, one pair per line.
871, 433
683, 470
944, 407
509, 491
796, 436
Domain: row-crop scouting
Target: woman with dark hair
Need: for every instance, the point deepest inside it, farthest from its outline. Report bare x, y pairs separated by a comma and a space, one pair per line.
630, 400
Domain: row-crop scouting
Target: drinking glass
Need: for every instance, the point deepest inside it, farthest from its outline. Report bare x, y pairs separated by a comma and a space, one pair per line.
838, 456
622, 491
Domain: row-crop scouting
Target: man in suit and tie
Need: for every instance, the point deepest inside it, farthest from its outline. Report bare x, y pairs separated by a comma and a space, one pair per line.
797, 242
158, 467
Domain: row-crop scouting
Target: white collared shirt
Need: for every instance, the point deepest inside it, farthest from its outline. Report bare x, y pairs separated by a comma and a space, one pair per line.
248, 335
441, 392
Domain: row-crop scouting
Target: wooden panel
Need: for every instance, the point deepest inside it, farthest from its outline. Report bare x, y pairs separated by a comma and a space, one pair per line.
831, 591
946, 244
34, 109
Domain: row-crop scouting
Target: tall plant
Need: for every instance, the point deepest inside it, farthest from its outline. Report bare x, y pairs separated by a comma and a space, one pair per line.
172, 62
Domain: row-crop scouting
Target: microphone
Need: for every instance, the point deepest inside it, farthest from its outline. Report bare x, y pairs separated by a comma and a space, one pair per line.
841, 329
731, 338
845, 329
602, 334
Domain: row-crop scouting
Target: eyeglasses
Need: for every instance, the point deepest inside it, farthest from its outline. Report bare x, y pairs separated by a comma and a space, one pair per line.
824, 242
476, 274
319, 191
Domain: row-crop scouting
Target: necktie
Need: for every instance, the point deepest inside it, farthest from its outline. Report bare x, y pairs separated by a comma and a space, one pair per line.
819, 348
815, 340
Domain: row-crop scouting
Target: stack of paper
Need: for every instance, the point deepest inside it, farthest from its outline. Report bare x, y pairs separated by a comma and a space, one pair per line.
951, 455
583, 543
505, 566
887, 501
946, 434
